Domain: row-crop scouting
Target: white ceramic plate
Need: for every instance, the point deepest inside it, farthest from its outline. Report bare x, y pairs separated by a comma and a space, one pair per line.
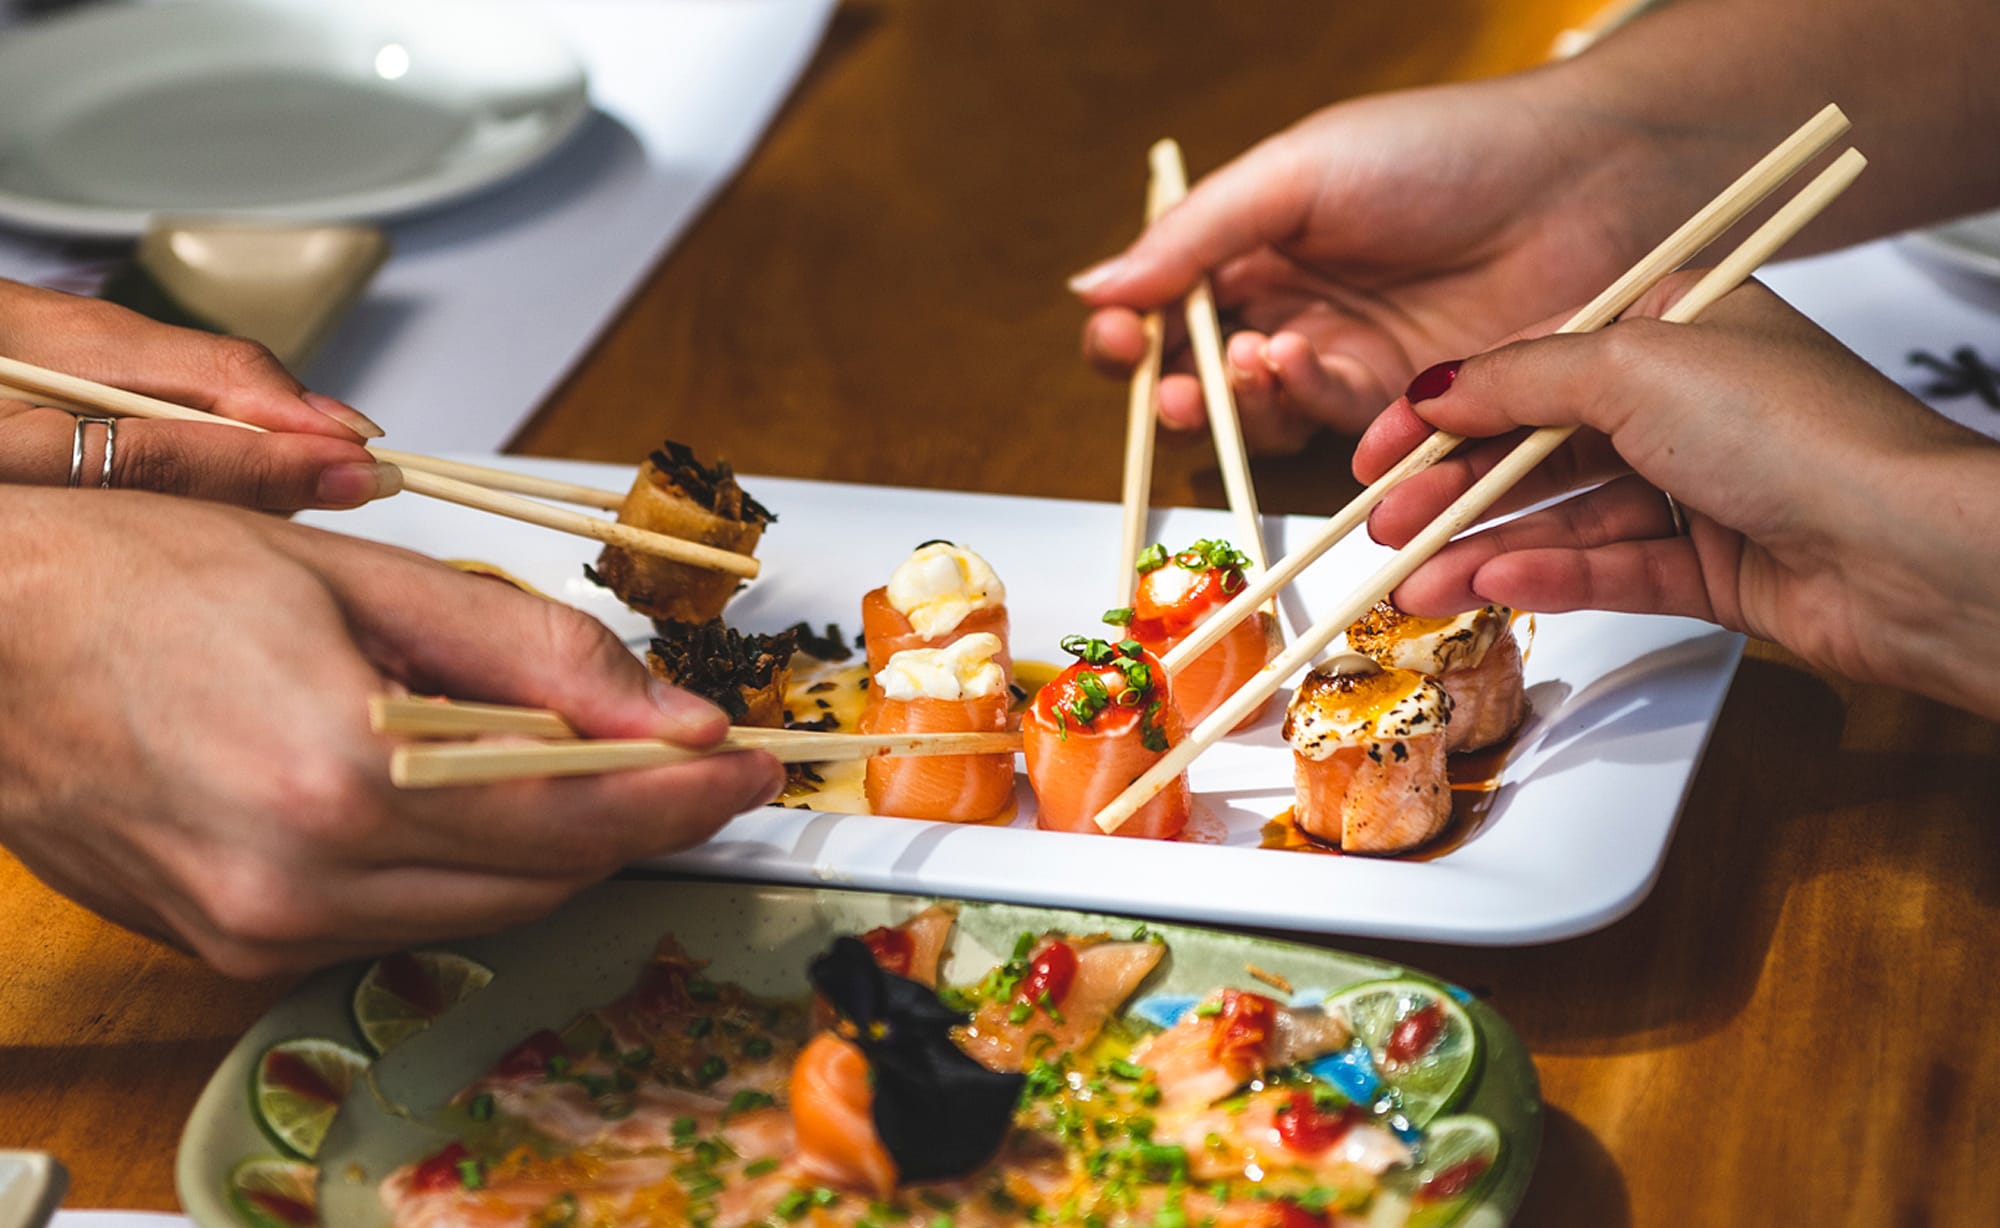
293, 109
1622, 707
589, 952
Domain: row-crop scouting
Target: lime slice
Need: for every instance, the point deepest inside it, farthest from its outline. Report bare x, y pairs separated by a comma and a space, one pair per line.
401, 994
268, 1192
1456, 1160
298, 1085
1424, 1044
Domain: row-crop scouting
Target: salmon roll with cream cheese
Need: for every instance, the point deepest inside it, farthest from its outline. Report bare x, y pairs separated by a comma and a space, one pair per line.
941, 593
1368, 745
1473, 655
960, 688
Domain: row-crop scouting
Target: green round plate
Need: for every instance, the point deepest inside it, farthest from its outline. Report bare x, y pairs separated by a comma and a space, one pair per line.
762, 936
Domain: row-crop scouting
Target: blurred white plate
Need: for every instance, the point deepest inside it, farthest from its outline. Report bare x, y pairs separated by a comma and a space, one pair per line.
1577, 828
290, 109
1970, 244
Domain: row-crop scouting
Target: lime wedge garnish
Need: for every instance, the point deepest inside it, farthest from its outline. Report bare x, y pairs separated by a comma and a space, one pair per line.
400, 995
1424, 1044
272, 1193
1456, 1159
297, 1086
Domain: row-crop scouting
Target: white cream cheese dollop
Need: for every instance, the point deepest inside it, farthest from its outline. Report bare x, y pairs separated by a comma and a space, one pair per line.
940, 584
1353, 702
962, 669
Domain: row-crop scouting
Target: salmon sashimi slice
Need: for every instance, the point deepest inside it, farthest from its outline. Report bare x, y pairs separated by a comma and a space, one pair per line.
1013, 1031
1230, 1039
914, 948
953, 788
1488, 700
832, 1106
886, 631
1339, 1147
433, 1192
1369, 756
1085, 743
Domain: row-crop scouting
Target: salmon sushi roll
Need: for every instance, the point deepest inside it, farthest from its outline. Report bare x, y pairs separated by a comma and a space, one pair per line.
956, 689
1094, 730
1368, 745
939, 594
1178, 593
1473, 655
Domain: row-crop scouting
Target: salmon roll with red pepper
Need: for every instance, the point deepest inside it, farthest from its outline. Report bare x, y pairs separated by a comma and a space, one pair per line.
1096, 728
956, 689
1473, 655
1179, 592
941, 593
1368, 745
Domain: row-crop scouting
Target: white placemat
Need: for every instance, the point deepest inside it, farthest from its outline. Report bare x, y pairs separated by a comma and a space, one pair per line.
484, 306
1927, 327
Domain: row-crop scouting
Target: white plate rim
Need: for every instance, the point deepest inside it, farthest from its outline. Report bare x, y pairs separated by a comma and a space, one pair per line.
564, 108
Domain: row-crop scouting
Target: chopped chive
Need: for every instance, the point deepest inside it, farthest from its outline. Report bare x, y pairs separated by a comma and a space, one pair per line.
481, 1108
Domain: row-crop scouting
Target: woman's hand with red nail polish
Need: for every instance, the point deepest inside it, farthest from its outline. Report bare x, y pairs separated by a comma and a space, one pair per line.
1827, 509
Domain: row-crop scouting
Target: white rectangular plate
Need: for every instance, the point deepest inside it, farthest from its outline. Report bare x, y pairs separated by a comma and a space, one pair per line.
1622, 707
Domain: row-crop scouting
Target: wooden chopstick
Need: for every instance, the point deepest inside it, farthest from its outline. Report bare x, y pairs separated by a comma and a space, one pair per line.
1205, 339
451, 718
1141, 425
465, 763
1726, 276
78, 395
1707, 225
505, 480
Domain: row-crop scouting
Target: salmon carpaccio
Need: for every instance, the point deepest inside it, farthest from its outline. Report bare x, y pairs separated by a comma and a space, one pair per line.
626, 1119
1085, 743
953, 788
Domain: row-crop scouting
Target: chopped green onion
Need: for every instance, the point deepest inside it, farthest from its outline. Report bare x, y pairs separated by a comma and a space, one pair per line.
1122, 616
481, 1108
470, 1175
1152, 558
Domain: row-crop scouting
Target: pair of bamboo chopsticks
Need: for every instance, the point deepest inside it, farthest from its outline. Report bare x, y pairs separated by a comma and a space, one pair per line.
475, 486
564, 754
1168, 187
1717, 217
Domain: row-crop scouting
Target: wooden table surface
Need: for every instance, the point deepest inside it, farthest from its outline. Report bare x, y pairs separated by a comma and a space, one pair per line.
1791, 1029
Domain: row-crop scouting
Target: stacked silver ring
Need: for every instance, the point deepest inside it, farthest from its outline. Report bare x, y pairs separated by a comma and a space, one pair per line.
110, 426
1678, 517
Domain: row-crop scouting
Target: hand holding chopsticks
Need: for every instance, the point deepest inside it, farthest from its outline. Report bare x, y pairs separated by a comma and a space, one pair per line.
432, 766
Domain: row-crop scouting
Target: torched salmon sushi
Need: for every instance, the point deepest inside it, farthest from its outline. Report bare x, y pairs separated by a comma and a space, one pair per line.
1474, 657
1094, 730
940, 594
957, 689
1368, 746
1178, 593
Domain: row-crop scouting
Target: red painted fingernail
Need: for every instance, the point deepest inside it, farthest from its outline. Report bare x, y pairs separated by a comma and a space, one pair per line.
1433, 381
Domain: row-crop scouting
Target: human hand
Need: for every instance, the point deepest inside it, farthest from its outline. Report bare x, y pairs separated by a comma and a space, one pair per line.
195, 761
313, 456
1826, 508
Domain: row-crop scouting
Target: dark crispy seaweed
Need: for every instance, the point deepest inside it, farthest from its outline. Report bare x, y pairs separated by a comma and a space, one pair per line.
717, 662
938, 1112
829, 647
713, 487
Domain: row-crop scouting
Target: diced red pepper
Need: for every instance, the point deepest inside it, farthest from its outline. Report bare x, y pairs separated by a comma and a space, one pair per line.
893, 948
1309, 1129
531, 1056
441, 1172
1241, 1029
1153, 621
1414, 1034
1284, 1214
1052, 972
1453, 1181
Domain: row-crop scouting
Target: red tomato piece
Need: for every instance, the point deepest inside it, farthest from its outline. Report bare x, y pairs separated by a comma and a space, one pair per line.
1291, 1215
1245, 1022
531, 1057
1414, 1034
1052, 972
894, 950
440, 1172
1309, 1129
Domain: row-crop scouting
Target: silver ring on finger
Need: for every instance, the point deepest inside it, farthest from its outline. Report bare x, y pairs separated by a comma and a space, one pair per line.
1675, 515
110, 426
